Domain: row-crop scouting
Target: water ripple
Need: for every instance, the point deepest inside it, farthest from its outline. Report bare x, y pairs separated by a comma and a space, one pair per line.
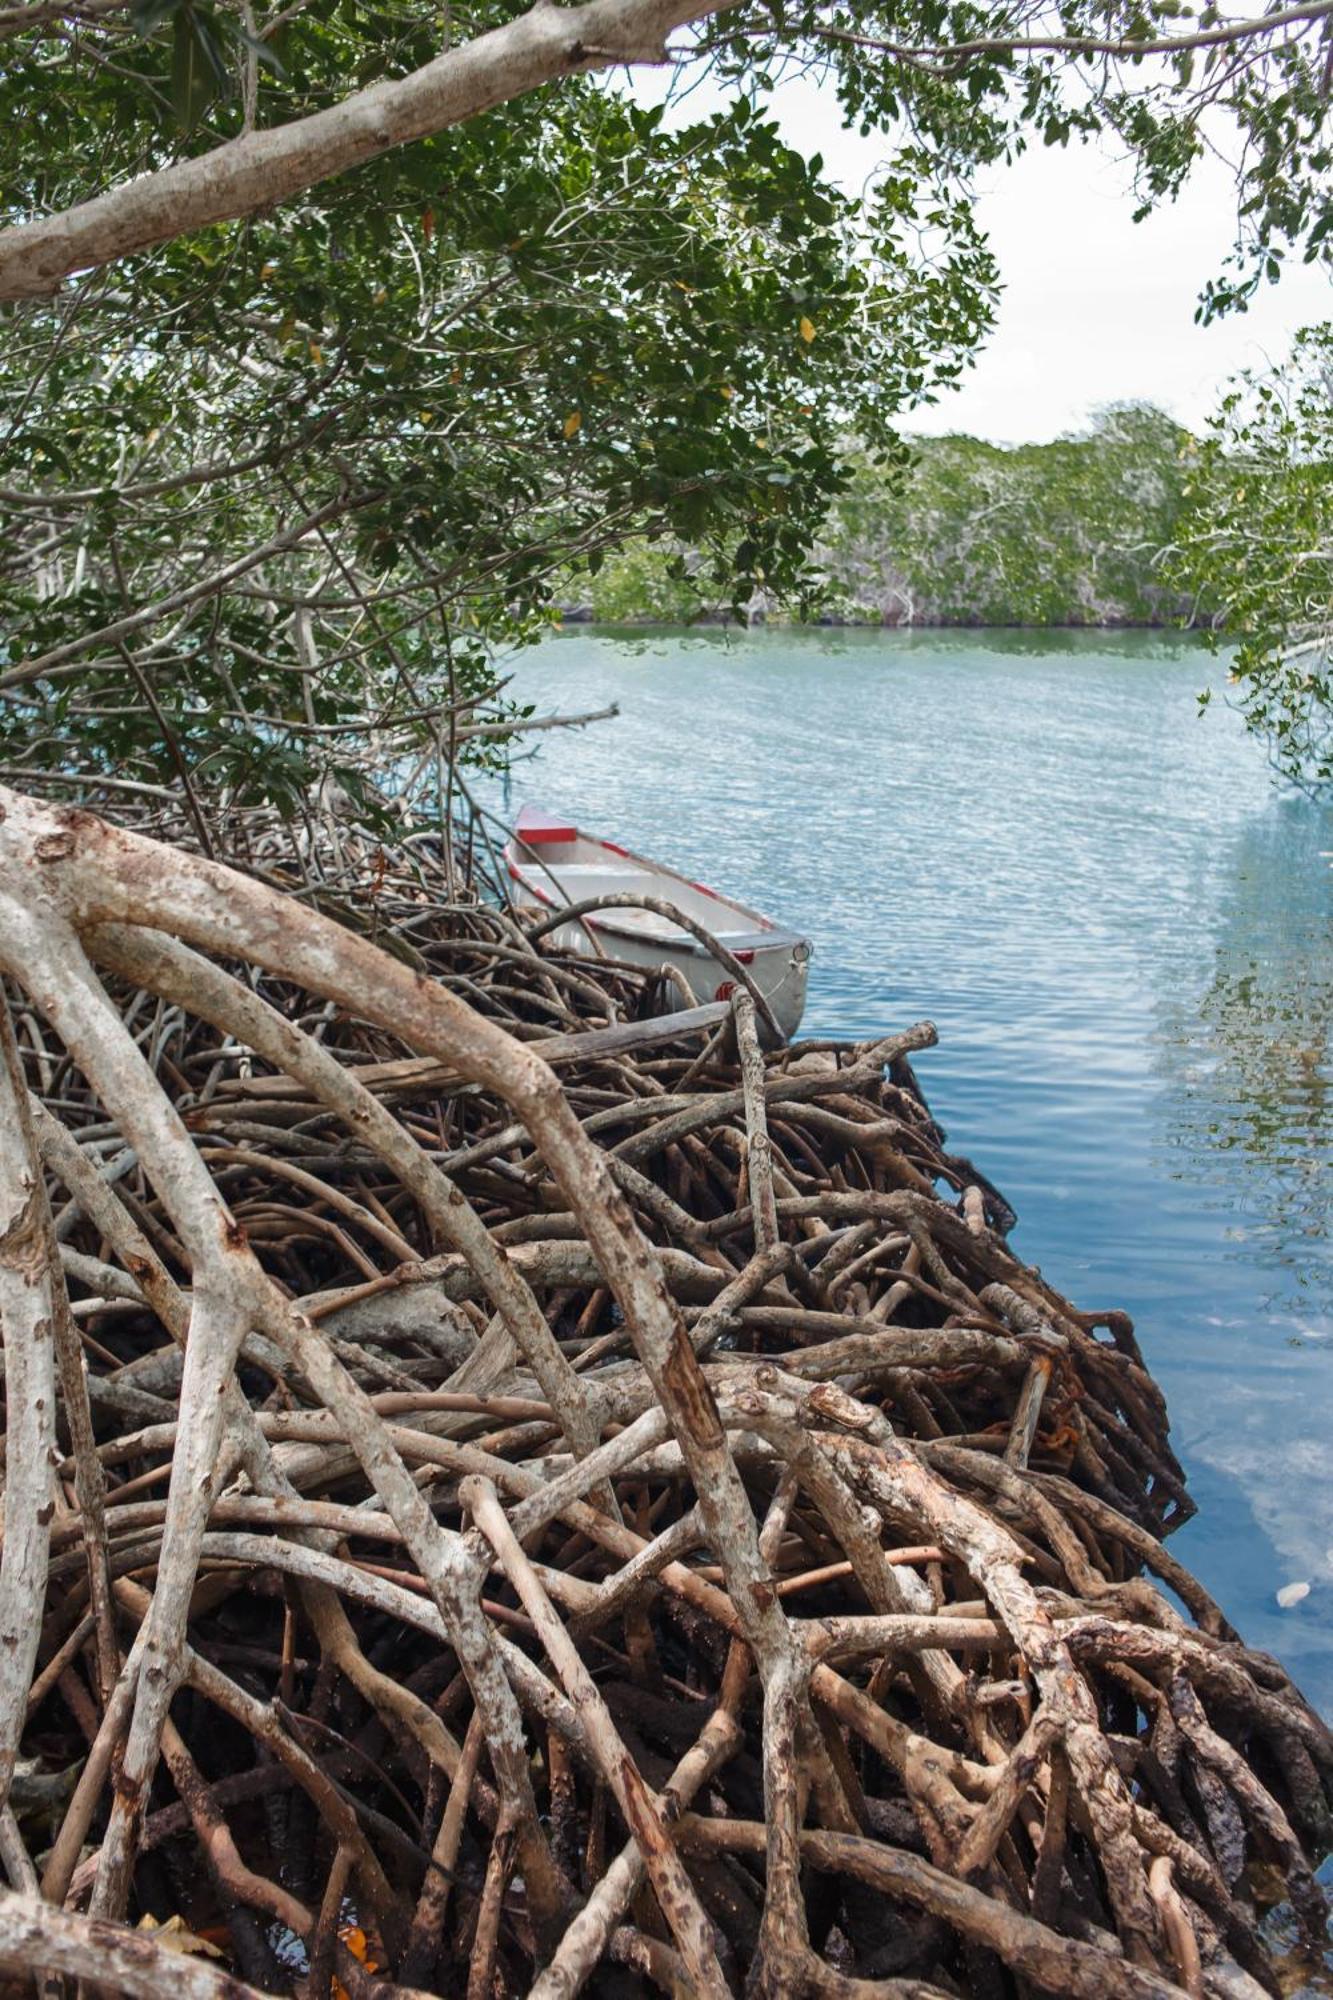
1126, 938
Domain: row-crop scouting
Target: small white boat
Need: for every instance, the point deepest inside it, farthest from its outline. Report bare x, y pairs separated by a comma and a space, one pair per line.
556, 863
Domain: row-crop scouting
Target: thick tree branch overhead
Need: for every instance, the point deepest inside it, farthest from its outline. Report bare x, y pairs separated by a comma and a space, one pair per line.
1061, 71
260, 169
359, 386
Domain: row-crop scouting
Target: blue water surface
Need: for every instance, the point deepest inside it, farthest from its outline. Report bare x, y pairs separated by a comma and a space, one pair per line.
1124, 933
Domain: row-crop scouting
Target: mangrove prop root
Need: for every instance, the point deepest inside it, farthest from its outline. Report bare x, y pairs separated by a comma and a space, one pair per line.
502, 1493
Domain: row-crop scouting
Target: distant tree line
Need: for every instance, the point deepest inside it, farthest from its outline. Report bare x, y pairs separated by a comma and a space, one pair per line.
1136, 522
962, 532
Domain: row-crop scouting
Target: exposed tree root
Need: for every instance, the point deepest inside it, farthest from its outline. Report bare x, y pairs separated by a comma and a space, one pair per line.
499, 1531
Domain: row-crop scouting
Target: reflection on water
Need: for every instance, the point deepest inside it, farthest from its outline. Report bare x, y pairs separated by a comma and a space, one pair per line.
1249, 1067
1123, 934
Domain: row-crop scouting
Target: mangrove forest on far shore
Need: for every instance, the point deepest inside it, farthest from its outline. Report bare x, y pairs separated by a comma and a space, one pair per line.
1080, 531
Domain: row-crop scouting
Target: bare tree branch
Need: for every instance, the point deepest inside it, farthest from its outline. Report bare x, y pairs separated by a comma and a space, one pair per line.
263, 168
1127, 47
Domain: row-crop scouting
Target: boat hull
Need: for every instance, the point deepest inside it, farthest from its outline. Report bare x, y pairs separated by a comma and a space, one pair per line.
779, 970
647, 915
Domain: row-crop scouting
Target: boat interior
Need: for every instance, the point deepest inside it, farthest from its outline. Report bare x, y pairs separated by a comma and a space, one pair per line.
582, 867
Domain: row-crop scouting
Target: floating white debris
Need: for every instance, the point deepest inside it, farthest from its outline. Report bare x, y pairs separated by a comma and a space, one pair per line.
1292, 1593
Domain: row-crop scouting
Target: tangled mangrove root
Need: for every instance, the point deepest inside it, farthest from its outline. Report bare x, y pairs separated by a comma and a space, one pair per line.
505, 1493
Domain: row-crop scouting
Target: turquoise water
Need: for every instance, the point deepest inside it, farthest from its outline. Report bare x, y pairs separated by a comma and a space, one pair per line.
1125, 937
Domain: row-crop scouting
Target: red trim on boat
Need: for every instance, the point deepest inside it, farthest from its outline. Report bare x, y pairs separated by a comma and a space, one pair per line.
541, 829
614, 847
516, 874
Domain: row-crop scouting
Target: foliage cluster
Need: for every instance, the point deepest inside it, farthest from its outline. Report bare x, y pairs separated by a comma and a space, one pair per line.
298, 488
277, 495
971, 533
1257, 537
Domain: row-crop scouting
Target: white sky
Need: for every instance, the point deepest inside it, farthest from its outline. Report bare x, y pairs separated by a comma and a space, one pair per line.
1096, 308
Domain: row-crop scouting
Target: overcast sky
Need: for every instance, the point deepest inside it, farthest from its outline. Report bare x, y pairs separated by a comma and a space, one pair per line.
1096, 308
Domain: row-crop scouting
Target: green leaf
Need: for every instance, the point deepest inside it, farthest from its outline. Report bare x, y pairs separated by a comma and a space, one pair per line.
263, 51
147, 16
197, 68
36, 445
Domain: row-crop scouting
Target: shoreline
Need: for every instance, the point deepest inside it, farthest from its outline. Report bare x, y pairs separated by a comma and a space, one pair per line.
579, 615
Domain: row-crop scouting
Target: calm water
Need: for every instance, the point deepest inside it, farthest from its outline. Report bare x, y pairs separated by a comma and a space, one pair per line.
1125, 936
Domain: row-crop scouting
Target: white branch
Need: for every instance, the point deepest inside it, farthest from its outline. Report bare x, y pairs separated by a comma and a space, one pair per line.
260, 169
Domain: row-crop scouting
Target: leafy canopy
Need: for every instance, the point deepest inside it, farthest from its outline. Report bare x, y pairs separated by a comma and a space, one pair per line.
326, 466
276, 496
1066, 533
1257, 537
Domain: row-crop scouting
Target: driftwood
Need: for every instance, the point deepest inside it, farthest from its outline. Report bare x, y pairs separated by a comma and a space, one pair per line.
484, 1526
